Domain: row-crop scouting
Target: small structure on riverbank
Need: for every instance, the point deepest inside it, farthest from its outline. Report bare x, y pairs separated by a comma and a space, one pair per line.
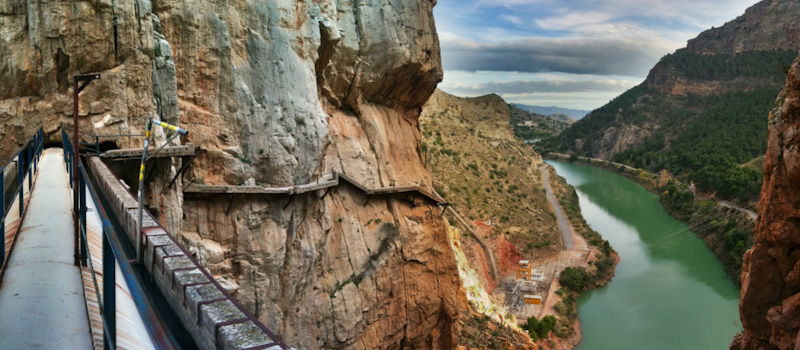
523, 270
532, 299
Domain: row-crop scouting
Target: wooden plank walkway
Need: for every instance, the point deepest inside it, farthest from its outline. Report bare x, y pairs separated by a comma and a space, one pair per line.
187, 150
326, 181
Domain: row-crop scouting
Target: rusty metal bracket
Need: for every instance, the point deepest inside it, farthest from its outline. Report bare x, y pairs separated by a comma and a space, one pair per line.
446, 205
230, 204
326, 192
184, 167
291, 198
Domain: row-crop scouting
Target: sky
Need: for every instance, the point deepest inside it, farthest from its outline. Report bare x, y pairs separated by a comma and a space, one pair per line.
567, 53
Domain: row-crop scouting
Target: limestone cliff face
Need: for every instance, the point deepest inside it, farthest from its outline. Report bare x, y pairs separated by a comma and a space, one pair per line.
764, 26
278, 93
770, 297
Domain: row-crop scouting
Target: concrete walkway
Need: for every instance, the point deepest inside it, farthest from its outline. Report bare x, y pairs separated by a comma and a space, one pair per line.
41, 296
566, 231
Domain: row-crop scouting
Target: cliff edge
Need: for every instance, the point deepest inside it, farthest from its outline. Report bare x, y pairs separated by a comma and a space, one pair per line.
278, 93
770, 297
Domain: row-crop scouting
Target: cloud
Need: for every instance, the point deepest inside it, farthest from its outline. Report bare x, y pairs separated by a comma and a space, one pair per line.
513, 19
573, 19
528, 44
631, 56
539, 86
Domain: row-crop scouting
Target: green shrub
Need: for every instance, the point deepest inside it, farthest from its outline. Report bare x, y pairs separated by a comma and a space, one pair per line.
574, 278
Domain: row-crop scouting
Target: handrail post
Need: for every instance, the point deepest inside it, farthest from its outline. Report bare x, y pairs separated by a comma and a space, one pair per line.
28, 166
35, 149
140, 225
2, 217
109, 297
82, 215
85, 79
21, 182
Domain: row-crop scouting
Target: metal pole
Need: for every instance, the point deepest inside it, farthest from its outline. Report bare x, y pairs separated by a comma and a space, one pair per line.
35, 149
21, 183
2, 217
86, 79
75, 165
109, 296
141, 191
28, 166
82, 215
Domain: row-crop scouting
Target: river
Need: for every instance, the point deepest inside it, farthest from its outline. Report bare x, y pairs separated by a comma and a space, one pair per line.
669, 291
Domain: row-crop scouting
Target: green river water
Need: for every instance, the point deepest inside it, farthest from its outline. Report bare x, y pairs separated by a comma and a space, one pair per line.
669, 291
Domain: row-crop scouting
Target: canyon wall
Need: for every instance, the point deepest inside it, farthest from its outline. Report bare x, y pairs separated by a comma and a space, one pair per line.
770, 297
277, 93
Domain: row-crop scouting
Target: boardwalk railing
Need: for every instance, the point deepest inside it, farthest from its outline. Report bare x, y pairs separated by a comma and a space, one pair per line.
27, 160
112, 253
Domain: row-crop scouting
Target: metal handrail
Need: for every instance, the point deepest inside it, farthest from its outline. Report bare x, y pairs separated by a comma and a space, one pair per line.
95, 147
112, 252
28, 154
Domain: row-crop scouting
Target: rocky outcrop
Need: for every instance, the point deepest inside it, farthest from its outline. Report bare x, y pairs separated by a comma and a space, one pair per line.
770, 296
277, 93
764, 26
619, 138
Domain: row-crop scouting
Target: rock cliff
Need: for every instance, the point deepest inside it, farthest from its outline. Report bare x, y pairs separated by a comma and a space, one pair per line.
764, 26
277, 93
770, 296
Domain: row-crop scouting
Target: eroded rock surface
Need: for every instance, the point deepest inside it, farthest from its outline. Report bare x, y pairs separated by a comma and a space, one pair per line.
770, 297
277, 93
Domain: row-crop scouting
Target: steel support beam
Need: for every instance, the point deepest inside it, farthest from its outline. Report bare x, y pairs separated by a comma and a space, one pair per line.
85, 80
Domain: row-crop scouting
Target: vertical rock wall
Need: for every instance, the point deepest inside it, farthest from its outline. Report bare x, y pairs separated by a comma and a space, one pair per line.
277, 92
770, 297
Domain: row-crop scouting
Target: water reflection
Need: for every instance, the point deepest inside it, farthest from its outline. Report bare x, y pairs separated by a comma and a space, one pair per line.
669, 292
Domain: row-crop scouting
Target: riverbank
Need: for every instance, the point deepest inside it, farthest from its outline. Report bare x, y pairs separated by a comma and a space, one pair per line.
668, 292
726, 229
589, 255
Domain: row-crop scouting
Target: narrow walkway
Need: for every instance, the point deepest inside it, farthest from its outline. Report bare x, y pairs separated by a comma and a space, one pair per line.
41, 296
749, 212
566, 232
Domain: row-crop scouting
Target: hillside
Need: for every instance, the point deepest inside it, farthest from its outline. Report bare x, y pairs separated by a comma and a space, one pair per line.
700, 113
494, 185
532, 127
552, 111
486, 173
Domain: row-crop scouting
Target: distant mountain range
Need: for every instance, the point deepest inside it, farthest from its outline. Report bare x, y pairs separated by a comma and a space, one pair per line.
702, 112
548, 111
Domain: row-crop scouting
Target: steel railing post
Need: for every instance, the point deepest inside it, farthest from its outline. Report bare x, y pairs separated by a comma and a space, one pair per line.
35, 151
140, 196
28, 166
64, 147
69, 162
21, 182
82, 214
109, 297
2, 217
